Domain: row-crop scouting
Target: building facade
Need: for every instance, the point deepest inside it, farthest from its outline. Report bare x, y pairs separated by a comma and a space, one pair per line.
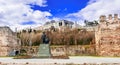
8, 41
58, 24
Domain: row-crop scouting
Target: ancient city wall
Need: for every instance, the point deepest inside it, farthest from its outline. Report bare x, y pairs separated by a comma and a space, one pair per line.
63, 50
107, 36
8, 41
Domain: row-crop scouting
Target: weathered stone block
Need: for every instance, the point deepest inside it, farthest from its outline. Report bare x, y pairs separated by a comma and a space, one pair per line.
44, 51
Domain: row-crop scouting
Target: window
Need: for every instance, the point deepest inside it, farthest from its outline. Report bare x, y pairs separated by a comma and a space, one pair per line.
60, 23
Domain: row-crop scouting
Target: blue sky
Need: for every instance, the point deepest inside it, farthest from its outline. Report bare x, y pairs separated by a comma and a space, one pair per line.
60, 8
34, 13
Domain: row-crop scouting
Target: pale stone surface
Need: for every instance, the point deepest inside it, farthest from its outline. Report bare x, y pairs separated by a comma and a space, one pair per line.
8, 41
69, 50
73, 60
107, 36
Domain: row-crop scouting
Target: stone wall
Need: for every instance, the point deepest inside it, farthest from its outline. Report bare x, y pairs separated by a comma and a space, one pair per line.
107, 36
73, 50
8, 41
69, 50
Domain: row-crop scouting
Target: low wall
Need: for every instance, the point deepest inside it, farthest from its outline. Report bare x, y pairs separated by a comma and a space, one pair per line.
65, 50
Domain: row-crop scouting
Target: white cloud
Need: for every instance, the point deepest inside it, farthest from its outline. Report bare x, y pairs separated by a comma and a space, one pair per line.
92, 1
56, 19
95, 8
14, 12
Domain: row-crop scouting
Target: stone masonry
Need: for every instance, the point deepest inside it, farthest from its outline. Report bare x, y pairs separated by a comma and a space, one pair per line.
8, 41
107, 36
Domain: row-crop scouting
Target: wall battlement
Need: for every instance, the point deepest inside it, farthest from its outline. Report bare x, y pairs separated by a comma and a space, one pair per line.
110, 19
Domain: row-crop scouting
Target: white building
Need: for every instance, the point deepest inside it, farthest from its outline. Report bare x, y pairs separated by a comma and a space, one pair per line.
58, 24
89, 28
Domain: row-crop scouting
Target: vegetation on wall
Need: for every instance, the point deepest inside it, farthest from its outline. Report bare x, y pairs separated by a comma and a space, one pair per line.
66, 37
